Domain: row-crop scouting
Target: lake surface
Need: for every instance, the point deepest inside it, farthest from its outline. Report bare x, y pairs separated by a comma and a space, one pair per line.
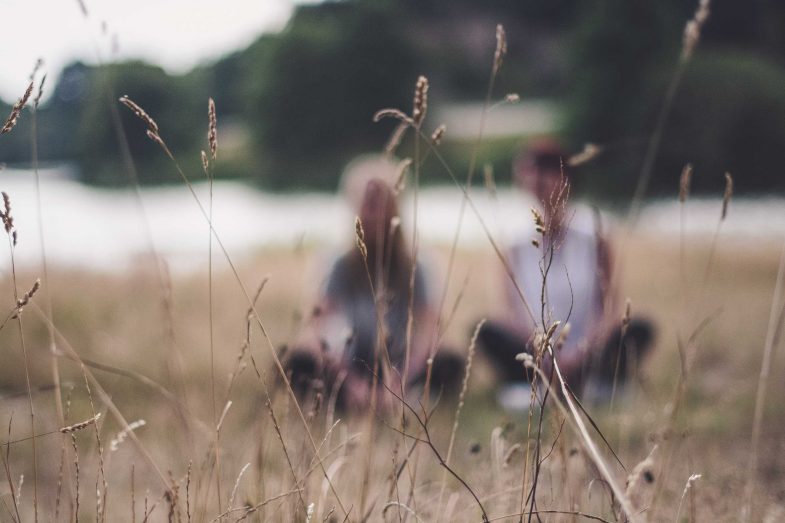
108, 229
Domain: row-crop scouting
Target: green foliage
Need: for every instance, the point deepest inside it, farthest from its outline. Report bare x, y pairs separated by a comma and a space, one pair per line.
295, 107
334, 67
728, 116
173, 103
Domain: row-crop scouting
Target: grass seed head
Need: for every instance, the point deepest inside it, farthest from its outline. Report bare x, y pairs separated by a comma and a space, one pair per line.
140, 113
16, 110
684, 183
155, 137
212, 129
590, 152
25, 299
438, 134
501, 48
420, 100
8, 219
81, 425
205, 161
121, 436
539, 221
359, 234
392, 113
692, 31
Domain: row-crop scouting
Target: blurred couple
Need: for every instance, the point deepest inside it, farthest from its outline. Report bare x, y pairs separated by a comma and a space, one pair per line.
375, 323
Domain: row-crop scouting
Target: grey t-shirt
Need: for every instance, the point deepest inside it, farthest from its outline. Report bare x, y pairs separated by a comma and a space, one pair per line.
352, 294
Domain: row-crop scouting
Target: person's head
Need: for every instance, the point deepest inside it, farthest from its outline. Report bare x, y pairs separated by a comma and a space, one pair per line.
368, 185
539, 167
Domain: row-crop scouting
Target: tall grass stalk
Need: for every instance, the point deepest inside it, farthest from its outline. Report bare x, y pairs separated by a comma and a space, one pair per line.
174, 357
6, 457
458, 408
418, 115
691, 38
107, 401
209, 172
12, 247
500, 52
775, 318
257, 317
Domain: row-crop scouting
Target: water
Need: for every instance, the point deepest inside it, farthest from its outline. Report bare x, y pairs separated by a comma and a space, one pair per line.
93, 228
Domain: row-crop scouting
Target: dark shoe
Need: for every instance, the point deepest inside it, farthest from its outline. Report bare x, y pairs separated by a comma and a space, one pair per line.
447, 372
501, 344
621, 358
302, 368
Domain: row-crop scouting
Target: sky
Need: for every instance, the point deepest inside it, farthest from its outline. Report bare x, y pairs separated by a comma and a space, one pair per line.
176, 34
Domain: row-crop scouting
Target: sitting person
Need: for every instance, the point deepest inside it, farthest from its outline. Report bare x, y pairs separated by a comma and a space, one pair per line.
358, 330
577, 291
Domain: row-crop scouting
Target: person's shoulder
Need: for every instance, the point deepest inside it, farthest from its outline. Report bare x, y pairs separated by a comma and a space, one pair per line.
339, 275
341, 265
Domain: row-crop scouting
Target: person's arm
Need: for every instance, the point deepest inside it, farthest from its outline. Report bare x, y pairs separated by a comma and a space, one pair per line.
316, 330
605, 272
518, 319
608, 300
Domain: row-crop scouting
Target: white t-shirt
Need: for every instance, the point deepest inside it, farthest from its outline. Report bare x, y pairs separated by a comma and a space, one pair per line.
572, 292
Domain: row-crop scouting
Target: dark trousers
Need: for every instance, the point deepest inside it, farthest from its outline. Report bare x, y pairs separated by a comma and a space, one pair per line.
614, 359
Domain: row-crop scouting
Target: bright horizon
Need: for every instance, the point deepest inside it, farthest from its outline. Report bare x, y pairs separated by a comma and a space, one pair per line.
175, 34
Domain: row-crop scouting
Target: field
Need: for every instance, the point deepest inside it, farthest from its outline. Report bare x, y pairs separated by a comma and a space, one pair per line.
153, 394
148, 347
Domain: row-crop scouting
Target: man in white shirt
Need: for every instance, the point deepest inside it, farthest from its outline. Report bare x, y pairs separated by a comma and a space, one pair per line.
563, 271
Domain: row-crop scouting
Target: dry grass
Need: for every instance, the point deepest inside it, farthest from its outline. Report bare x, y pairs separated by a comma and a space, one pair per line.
116, 320
146, 360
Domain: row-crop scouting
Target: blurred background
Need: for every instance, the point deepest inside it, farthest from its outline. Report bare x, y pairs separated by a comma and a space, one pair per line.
296, 85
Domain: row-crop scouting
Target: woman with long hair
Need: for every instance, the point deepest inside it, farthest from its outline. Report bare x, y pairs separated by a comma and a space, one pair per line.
373, 324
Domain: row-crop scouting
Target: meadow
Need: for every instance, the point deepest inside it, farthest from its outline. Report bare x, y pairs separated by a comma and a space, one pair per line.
158, 395
150, 352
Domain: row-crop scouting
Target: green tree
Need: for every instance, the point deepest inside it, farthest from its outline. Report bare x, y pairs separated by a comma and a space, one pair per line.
330, 70
177, 106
